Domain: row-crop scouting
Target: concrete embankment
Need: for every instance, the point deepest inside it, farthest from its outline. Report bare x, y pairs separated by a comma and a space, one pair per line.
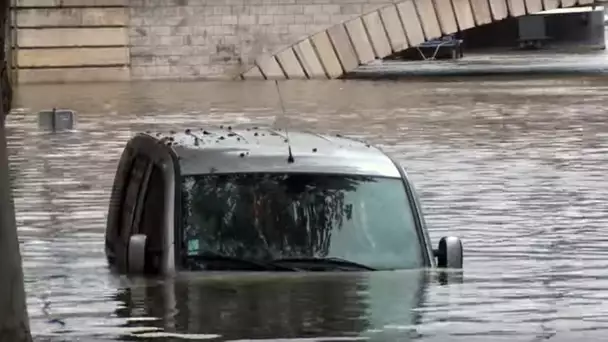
487, 64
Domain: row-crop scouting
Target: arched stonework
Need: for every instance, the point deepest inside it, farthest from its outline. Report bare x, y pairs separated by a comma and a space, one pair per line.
393, 28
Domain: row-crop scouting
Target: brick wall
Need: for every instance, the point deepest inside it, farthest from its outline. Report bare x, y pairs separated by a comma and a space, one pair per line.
220, 38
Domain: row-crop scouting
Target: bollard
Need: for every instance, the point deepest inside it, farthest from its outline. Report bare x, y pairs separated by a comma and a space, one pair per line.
56, 120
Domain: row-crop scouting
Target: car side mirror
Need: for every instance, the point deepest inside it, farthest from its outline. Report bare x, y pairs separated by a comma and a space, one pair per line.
136, 253
449, 253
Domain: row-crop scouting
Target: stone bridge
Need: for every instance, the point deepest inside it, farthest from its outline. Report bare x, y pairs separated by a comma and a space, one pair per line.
123, 40
343, 47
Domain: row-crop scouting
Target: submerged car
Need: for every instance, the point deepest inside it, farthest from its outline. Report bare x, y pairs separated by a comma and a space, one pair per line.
260, 199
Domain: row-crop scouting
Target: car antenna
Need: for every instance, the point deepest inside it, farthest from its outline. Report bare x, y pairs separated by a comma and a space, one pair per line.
290, 157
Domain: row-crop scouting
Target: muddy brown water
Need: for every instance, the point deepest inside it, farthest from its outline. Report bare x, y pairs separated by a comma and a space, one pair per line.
516, 168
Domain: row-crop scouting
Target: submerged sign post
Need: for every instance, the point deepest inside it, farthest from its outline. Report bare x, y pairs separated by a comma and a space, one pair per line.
56, 119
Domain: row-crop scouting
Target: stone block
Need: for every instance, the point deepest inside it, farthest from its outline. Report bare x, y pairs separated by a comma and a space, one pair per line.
246, 19
411, 23
550, 4
298, 30
309, 60
253, 74
464, 14
367, 8
327, 55
270, 68
585, 2
56, 57
517, 8
568, 3
311, 8
332, 8
265, 19
428, 18
534, 6
65, 17
323, 18
66, 75
290, 64
63, 37
351, 8
344, 48
176, 41
394, 28
446, 16
377, 34
499, 9
361, 43
481, 12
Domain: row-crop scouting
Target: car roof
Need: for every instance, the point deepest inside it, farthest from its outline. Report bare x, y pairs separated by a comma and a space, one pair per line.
225, 149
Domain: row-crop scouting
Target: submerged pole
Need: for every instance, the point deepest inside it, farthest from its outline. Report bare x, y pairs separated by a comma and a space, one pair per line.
14, 320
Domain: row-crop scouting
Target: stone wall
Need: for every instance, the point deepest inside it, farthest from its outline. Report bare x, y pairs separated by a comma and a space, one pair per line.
221, 38
109, 40
70, 40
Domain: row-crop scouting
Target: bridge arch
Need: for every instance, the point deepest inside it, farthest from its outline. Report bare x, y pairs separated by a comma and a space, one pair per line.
342, 48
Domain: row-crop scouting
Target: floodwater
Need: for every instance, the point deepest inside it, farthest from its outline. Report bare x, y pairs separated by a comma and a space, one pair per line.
515, 167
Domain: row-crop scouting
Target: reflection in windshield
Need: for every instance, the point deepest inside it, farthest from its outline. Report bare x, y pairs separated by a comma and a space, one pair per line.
267, 216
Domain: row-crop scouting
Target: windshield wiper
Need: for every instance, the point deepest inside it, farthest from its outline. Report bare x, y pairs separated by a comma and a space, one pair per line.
238, 263
324, 263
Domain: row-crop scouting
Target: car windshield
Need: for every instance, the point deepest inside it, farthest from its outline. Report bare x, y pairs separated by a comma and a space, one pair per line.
266, 216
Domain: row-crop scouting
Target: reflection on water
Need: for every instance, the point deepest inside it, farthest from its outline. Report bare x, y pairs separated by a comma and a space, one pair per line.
269, 306
516, 168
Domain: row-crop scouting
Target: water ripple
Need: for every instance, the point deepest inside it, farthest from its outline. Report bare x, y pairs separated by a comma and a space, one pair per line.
516, 168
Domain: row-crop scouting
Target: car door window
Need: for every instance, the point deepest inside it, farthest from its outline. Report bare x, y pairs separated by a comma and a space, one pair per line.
153, 218
141, 197
132, 193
